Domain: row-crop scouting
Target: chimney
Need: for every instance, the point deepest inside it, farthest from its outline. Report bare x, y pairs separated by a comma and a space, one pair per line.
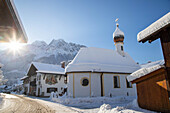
63, 63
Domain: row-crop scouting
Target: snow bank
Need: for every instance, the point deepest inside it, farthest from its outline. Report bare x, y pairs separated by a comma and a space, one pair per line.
1, 98
9, 96
94, 102
132, 107
146, 69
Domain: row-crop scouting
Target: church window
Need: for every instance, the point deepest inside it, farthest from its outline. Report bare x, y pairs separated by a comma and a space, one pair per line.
122, 48
49, 90
116, 80
65, 79
84, 82
128, 84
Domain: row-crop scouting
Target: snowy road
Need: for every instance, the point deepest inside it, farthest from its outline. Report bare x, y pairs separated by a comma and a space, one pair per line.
21, 104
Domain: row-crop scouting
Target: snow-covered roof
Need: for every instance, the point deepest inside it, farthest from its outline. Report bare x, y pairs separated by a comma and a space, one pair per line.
3, 86
146, 69
153, 28
25, 38
101, 60
24, 77
117, 32
51, 72
48, 68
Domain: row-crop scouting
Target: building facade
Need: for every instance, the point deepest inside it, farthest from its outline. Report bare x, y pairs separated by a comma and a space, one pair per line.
46, 78
50, 82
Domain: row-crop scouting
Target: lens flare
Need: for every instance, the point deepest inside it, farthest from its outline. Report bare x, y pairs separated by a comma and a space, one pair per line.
14, 46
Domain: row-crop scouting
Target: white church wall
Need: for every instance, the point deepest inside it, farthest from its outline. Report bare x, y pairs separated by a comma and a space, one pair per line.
95, 84
109, 89
43, 85
84, 91
93, 89
81, 91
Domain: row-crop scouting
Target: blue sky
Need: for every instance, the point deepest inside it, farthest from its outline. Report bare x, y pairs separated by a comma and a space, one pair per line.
91, 22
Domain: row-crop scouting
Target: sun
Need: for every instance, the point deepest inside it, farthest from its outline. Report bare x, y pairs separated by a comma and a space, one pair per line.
14, 46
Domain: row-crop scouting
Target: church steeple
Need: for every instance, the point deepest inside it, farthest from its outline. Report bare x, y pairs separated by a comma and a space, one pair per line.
118, 37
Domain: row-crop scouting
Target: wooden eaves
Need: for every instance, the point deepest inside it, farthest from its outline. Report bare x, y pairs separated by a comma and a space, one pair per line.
10, 23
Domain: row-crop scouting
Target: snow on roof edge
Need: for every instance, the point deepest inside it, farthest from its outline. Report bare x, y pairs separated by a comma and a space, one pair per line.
51, 72
154, 27
19, 20
23, 77
145, 70
36, 65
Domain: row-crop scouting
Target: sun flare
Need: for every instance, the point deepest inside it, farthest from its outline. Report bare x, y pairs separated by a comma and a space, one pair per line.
15, 46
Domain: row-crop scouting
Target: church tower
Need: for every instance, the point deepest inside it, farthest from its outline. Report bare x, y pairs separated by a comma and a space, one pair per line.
118, 37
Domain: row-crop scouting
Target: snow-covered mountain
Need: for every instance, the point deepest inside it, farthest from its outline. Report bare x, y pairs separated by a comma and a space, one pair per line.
15, 66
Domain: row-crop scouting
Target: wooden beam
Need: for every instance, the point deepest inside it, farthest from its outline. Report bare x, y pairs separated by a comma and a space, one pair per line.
165, 42
10, 23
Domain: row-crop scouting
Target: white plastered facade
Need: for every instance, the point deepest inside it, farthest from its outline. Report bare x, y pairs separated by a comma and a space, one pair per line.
42, 86
93, 89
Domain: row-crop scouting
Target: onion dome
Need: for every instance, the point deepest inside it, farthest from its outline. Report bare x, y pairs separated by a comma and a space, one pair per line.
118, 35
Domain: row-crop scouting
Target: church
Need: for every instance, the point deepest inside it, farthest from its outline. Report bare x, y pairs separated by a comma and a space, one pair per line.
96, 72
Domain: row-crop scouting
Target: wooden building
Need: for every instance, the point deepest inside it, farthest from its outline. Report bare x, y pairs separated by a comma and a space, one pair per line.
10, 23
153, 82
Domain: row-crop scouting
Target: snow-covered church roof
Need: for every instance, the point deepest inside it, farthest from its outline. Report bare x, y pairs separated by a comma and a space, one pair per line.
47, 68
153, 28
146, 69
101, 60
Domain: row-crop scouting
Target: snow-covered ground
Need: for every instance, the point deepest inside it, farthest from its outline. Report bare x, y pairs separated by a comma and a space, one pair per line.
1, 100
77, 105
102, 104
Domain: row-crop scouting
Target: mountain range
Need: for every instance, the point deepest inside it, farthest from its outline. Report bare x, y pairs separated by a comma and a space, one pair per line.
16, 66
